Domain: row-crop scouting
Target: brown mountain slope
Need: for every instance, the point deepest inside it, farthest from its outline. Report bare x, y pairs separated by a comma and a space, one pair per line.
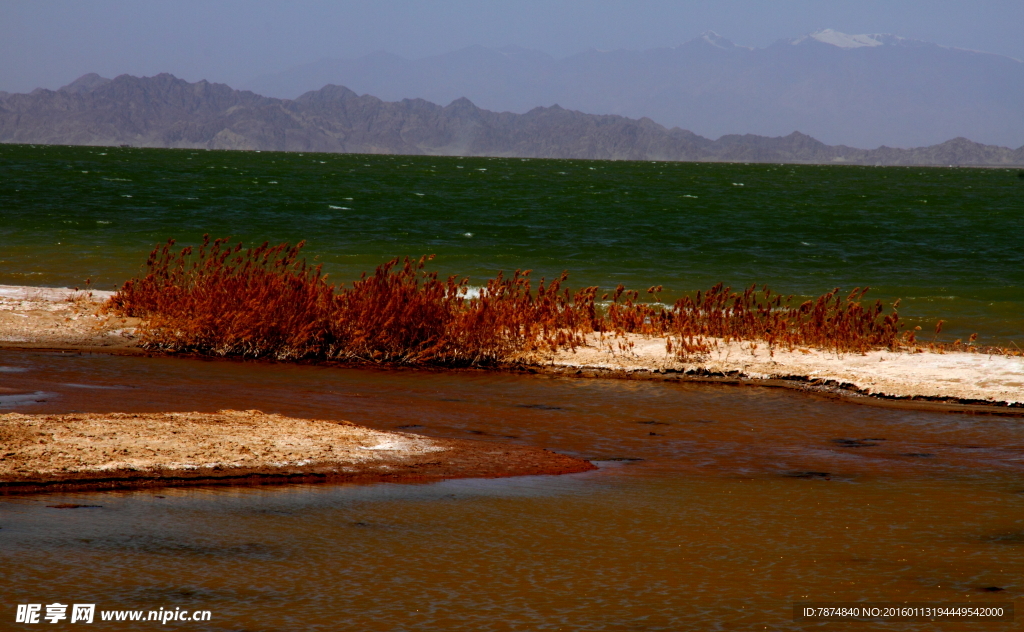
164, 111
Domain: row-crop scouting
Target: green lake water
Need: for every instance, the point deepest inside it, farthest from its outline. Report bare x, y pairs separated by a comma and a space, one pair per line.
948, 241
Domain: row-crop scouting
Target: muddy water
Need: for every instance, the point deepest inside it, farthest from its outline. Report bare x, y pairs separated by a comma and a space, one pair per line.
714, 508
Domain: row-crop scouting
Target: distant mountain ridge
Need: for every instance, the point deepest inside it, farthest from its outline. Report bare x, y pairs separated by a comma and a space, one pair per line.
861, 90
164, 111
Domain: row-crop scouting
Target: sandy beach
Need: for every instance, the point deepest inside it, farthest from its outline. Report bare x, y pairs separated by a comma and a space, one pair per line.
118, 450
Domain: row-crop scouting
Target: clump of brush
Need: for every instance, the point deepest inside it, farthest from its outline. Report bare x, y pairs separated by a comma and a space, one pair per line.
266, 302
832, 322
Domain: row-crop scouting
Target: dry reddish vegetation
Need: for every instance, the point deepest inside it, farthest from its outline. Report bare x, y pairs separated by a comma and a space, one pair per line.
266, 302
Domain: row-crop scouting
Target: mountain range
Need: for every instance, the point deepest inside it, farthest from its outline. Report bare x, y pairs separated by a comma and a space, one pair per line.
860, 90
165, 111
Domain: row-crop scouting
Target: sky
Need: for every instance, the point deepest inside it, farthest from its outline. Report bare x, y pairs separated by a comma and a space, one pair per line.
49, 43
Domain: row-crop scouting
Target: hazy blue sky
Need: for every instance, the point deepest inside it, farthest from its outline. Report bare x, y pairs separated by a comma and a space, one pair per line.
48, 43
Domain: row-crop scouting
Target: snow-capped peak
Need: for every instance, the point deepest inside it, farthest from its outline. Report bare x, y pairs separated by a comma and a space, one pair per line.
843, 40
716, 40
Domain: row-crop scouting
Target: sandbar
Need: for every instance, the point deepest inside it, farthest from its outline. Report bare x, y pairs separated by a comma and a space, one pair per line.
73, 451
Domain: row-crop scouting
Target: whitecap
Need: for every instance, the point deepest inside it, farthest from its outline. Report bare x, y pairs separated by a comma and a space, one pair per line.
419, 194
339, 208
467, 234
737, 184
126, 196
690, 196
100, 221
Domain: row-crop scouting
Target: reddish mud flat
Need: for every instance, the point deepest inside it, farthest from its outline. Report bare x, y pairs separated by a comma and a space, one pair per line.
118, 450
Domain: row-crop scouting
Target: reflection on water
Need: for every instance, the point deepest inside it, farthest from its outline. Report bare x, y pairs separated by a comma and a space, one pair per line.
714, 508
21, 399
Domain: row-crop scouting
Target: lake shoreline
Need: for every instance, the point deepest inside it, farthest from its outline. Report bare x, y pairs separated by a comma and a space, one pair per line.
824, 388
61, 319
909, 379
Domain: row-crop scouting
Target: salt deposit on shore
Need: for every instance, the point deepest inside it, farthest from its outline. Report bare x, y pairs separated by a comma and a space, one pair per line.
963, 376
240, 447
49, 294
60, 318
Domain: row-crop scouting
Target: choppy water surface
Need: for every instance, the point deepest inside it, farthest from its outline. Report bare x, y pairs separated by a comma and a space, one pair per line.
947, 241
745, 500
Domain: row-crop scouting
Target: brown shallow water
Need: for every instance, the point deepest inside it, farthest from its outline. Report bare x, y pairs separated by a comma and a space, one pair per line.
745, 501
